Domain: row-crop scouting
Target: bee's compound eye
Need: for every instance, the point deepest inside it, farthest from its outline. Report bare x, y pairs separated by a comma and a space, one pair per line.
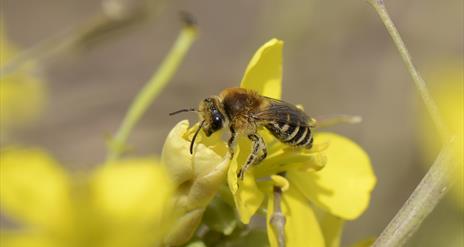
217, 122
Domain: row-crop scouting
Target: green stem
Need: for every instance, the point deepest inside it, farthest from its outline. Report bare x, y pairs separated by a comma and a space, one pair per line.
421, 86
152, 89
436, 182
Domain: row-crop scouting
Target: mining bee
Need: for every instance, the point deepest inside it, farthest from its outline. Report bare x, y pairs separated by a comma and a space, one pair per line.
244, 112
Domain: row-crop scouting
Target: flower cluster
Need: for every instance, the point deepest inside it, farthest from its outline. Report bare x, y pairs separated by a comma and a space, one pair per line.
122, 203
305, 194
334, 177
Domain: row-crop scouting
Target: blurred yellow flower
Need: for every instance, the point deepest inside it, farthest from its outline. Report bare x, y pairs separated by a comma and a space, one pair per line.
197, 177
22, 95
342, 188
123, 203
447, 87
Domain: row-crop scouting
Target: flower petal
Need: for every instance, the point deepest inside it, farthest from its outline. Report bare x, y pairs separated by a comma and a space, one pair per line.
175, 155
208, 153
205, 186
27, 239
134, 196
264, 72
332, 228
198, 176
247, 196
344, 186
301, 226
34, 188
132, 190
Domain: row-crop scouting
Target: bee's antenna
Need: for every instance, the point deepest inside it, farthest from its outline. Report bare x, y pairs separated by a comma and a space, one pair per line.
182, 110
195, 136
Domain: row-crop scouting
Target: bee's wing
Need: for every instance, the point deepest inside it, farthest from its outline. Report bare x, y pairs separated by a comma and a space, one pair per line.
281, 112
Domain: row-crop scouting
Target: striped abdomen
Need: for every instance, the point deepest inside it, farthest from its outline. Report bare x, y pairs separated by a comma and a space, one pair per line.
300, 136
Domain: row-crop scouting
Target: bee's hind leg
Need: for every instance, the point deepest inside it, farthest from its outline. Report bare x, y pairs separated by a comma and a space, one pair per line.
253, 158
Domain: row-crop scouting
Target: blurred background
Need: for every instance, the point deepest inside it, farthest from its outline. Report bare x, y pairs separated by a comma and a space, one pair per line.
338, 59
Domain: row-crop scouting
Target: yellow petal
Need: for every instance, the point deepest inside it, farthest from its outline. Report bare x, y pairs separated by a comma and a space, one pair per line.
33, 188
133, 189
134, 197
27, 239
301, 226
205, 186
175, 155
247, 196
184, 227
344, 186
209, 153
332, 228
198, 176
264, 72
183, 166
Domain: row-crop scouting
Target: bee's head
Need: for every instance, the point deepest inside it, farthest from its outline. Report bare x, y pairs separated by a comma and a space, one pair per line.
210, 112
213, 119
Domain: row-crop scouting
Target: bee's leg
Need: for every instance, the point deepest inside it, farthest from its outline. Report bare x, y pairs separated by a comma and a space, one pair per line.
258, 144
262, 145
231, 142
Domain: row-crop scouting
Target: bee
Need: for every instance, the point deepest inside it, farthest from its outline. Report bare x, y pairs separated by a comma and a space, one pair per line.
244, 112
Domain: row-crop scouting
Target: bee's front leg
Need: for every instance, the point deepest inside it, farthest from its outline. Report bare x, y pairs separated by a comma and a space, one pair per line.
258, 144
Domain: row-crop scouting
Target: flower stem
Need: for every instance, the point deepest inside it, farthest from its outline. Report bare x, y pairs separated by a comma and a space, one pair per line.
421, 86
436, 182
152, 89
278, 218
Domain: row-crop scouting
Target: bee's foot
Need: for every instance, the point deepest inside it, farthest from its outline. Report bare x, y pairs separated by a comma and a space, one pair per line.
240, 174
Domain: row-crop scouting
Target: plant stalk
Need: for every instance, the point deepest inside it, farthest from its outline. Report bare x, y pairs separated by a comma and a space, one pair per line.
436, 182
419, 82
421, 203
151, 90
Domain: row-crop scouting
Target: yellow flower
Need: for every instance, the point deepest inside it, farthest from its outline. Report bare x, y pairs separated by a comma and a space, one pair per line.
22, 96
341, 188
197, 177
123, 203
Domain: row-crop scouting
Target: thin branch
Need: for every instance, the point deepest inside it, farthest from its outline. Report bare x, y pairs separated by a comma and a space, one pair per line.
421, 86
278, 218
436, 182
121, 15
153, 87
